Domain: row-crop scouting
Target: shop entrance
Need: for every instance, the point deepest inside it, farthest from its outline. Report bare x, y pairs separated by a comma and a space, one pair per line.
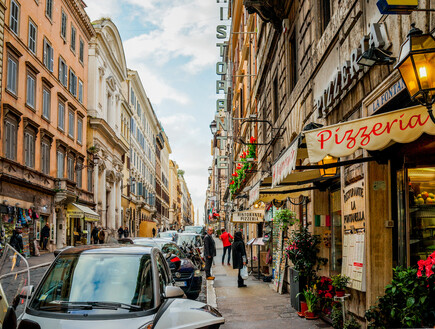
77, 236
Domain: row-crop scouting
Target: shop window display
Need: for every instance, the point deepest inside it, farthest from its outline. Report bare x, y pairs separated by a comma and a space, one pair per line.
421, 191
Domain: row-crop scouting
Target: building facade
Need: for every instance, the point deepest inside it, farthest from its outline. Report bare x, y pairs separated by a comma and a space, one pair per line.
174, 208
295, 74
44, 99
107, 106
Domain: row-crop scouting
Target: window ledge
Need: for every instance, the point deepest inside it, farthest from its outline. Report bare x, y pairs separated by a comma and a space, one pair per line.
45, 118
31, 108
11, 93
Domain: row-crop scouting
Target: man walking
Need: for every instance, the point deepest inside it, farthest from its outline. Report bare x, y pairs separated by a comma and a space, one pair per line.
154, 232
95, 234
16, 242
209, 252
225, 237
120, 232
45, 235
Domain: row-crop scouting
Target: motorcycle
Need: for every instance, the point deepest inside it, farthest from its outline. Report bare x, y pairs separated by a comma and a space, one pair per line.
194, 255
15, 289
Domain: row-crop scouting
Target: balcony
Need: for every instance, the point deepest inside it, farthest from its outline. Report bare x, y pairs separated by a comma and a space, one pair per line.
271, 11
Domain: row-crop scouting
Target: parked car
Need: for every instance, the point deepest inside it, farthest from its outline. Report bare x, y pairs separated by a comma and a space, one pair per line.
186, 274
167, 235
103, 287
195, 229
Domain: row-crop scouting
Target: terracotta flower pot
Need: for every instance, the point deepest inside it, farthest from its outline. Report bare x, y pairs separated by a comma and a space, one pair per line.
339, 293
309, 314
303, 309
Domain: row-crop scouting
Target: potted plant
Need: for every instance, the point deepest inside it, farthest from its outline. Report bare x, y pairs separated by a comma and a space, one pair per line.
285, 217
340, 282
311, 299
326, 292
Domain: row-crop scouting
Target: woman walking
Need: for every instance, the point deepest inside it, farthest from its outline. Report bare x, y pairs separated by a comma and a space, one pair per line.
239, 256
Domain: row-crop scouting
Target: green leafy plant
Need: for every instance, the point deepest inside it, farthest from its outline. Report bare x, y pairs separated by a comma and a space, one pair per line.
285, 217
93, 149
340, 281
408, 302
311, 299
303, 252
337, 316
351, 323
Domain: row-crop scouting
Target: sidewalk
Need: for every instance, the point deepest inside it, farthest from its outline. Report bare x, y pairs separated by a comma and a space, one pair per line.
257, 306
44, 260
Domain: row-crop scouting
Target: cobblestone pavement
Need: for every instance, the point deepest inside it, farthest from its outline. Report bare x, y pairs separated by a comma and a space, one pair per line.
257, 305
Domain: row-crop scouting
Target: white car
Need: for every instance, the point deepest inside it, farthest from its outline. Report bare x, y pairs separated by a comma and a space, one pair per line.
104, 287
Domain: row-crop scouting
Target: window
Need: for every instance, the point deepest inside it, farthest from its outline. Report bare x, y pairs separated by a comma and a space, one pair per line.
81, 50
45, 157
326, 13
72, 83
60, 163
293, 62
79, 173
14, 19
49, 9
71, 124
80, 130
73, 38
48, 55
29, 149
61, 116
80, 91
63, 72
90, 187
12, 74
33, 33
31, 90
11, 139
70, 167
46, 103
63, 26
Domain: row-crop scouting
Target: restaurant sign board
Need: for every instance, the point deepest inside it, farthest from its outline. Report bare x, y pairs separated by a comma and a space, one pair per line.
372, 133
285, 164
248, 216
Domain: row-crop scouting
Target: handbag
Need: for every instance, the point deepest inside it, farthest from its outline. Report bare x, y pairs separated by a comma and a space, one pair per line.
244, 272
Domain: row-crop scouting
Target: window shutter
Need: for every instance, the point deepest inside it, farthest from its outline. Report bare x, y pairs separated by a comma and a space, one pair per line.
14, 141
65, 75
60, 71
45, 54
51, 59
32, 152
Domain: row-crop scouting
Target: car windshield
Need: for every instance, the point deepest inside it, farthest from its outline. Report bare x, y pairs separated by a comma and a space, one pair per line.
194, 229
189, 239
97, 281
166, 234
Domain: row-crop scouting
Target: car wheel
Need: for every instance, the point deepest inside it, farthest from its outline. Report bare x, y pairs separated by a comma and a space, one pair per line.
193, 296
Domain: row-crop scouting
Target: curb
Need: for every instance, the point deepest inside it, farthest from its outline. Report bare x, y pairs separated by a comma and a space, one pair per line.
40, 265
211, 293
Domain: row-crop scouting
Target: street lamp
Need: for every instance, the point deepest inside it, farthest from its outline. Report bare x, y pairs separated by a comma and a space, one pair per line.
210, 170
213, 127
328, 172
417, 67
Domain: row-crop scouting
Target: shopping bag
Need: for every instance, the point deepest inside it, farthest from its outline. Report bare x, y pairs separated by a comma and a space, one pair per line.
244, 272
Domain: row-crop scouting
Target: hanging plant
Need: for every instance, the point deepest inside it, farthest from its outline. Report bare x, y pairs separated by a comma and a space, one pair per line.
285, 218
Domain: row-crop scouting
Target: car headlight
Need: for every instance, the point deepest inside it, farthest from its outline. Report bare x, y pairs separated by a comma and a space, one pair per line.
197, 273
148, 325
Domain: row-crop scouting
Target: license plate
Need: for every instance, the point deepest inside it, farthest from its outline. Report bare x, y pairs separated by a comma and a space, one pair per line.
180, 283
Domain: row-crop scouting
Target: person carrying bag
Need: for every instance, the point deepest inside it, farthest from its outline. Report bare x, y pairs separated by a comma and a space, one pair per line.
239, 259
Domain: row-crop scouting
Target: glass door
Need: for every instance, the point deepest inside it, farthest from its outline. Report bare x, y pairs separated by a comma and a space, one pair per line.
336, 233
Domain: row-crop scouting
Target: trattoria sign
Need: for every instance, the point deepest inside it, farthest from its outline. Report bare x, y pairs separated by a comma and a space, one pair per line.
285, 164
354, 206
372, 133
248, 216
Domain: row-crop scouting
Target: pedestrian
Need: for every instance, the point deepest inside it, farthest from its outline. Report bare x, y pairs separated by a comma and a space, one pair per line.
94, 234
226, 241
45, 235
209, 252
16, 242
120, 232
101, 236
126, 232
239, 256
154, 232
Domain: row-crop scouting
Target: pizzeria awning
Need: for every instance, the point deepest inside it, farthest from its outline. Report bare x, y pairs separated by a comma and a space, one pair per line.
75, 210
372, 133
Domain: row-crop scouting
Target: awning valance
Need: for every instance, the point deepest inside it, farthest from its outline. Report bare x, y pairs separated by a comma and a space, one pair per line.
268, 195
79, 211
372, 133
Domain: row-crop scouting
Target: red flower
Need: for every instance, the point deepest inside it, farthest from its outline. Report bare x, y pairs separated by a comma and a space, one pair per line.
252, 140
244, 154
232, 182
328, 295
235, 174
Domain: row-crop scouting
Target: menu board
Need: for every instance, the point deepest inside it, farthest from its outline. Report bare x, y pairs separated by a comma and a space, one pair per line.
26, 247
354, 260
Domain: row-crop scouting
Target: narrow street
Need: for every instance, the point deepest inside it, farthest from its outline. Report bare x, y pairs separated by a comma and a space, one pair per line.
257, 305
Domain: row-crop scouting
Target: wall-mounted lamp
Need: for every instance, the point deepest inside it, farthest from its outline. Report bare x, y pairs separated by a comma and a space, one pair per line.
210, 170
328, 172
213, 127
417, 67
375, 56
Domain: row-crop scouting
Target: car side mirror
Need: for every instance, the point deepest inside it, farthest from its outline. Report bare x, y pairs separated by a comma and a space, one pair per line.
26, 292
173, 292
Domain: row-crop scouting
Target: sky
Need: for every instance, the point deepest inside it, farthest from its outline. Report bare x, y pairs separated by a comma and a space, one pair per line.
172, 44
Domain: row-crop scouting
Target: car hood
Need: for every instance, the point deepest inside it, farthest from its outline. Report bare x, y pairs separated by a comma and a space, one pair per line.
186, 265
57, 323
